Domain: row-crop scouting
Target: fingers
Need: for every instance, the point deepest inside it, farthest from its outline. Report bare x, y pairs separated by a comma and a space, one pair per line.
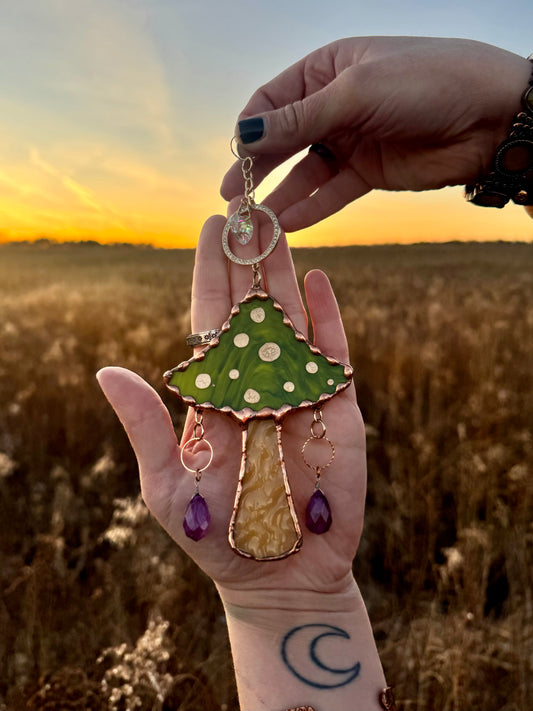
281, 283
295, 109
217, 285
287, 86
211, 298
291, 99
150, 431
328, 328
331, 197
232, 185
307, 176
301, 122
278, 276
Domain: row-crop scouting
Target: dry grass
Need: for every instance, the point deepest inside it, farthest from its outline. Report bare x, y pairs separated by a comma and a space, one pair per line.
100, 610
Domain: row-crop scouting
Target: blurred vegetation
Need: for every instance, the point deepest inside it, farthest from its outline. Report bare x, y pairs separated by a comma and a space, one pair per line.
100, 610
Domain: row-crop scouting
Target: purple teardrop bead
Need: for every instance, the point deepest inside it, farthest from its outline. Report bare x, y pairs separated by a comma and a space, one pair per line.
197, 518
318, 513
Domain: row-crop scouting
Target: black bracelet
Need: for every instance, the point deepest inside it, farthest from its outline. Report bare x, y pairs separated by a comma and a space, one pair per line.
511, 175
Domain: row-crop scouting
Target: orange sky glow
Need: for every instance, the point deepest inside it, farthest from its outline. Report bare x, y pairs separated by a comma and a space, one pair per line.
154, 215
116, 117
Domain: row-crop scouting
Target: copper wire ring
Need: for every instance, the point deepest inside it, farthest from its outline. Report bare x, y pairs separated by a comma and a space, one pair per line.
315, 466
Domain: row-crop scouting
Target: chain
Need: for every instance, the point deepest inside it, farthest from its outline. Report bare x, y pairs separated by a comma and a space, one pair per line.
240, 224
198, 430
248, 201
249, 191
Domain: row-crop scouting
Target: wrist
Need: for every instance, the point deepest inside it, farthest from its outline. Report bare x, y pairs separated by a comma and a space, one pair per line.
344, 596
274, 613
511, 174
304, 647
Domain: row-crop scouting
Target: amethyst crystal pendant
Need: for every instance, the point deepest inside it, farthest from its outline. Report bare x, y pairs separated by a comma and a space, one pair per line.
318, 513
197, 518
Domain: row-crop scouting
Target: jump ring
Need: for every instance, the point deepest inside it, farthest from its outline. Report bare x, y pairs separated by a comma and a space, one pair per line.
235, 142
322, 433
198, 431
197, 470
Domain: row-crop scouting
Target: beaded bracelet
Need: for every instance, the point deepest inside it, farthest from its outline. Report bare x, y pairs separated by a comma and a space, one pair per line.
511, 176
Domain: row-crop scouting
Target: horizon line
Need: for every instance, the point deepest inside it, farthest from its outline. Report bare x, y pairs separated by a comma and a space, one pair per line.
53, 242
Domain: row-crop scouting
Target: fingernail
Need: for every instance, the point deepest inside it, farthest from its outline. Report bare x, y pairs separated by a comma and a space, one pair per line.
251, 129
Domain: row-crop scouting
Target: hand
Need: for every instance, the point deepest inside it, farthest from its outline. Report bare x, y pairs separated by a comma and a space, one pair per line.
324, 563
397, 113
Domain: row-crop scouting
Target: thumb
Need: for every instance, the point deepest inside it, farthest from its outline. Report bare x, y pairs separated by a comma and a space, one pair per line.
151, 433
296, 125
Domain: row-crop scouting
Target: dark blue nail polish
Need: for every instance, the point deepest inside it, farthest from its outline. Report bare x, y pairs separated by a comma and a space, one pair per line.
251, 129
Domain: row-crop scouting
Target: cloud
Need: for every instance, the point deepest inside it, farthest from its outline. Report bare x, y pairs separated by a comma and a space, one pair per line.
84, 195
116, 72
92, 65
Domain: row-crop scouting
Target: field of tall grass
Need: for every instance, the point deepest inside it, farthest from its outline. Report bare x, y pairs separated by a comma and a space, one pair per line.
100, 610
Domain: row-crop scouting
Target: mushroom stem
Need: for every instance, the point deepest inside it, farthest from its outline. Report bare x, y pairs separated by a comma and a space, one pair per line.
264, 525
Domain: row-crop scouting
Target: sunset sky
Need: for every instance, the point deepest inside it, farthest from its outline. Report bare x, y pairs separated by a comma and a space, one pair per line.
116, 115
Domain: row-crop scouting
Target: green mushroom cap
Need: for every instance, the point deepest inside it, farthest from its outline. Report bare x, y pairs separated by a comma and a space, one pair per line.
259, 366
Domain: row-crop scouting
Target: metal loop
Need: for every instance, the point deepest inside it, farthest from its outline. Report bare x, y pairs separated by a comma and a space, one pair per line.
322, 433
256, 284
198, 431
247, 165
316, 467
236, 153
198, 470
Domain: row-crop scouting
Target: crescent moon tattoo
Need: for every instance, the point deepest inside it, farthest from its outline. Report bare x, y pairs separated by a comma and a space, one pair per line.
328, 677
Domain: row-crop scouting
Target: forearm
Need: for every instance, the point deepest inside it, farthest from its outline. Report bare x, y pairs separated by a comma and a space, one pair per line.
305, 648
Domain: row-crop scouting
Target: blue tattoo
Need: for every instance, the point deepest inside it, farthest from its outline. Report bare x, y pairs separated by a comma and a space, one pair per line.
320, 631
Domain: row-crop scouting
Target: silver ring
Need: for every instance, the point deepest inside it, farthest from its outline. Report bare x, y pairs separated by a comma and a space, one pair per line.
202, 338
